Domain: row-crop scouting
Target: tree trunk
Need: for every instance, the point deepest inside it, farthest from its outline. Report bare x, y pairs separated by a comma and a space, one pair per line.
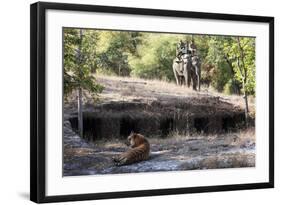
246, 104
244, 75
246, 109
119, 69
80, 113
80, 102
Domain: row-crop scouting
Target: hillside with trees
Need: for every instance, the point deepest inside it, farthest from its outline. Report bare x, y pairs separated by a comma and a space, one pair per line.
228, 63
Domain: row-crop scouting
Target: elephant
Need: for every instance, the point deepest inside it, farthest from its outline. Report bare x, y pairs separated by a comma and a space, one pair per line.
181, 69
187, 69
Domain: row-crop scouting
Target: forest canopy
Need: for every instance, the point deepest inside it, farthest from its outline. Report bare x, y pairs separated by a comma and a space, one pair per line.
227, 62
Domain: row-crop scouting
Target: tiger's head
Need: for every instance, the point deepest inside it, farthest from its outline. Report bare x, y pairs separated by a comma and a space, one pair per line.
134, 140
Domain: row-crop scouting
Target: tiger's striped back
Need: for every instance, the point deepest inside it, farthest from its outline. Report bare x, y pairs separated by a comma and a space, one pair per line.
139, 151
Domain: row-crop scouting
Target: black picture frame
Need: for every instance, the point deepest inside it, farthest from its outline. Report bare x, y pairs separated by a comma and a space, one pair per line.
38, 101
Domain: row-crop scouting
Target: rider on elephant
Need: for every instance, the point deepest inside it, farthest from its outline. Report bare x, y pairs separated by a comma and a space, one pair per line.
181, 49
192, 48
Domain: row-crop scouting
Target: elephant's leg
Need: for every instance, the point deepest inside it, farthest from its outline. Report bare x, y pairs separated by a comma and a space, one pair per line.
198, 82
176, 76
198, 77
185, 76
189, 75
182, 80
194, 83
188, 79
177, 79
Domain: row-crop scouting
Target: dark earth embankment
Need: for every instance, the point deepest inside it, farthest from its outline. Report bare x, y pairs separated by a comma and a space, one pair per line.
154, 108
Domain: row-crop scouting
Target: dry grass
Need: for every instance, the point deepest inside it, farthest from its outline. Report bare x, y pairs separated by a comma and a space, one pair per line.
78, 151
127, 87
153, 84
136, 89
109, 143
237, 139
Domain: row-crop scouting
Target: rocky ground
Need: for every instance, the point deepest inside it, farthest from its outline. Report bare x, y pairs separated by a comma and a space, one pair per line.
172, 153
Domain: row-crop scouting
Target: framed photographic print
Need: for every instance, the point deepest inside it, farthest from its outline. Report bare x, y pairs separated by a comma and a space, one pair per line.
129, 102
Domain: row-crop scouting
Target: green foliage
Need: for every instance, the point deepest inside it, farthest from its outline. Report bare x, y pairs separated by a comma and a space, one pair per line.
79, 61
155, 61
232, 65
216, 57
242, 50
231, 87
114, 49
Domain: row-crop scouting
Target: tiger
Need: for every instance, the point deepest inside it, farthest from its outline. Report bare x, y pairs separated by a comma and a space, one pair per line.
139, 150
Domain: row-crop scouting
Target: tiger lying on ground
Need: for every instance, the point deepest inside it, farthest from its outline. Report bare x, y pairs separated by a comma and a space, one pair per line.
139, 150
